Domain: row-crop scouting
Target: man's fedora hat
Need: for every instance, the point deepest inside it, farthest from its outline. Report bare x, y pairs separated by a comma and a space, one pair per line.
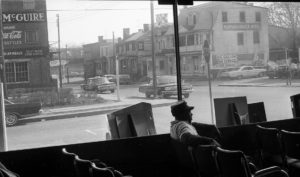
180, 107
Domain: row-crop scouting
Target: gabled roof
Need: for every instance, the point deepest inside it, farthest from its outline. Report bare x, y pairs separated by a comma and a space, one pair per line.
181, 29
134, 36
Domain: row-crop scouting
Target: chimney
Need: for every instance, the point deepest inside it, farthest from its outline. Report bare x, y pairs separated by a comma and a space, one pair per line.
126, 33
146, 27
100, 39
119, 40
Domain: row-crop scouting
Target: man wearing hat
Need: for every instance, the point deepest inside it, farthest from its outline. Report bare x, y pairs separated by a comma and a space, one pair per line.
182, 128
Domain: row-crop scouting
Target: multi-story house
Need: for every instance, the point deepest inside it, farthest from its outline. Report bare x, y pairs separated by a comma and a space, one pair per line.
237, 34
26, 47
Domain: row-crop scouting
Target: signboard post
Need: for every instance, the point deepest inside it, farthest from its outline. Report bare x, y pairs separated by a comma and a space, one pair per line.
206, 54
3, 136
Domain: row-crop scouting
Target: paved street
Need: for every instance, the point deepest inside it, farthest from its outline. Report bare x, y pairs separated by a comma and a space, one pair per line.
93, 127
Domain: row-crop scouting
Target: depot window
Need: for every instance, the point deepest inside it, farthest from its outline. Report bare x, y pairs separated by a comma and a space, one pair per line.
16, 72
31, 36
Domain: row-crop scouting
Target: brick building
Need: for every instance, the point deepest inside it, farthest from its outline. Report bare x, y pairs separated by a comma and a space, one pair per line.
26, 47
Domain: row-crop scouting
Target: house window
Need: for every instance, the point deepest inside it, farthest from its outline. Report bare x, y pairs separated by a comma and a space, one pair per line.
190, 39
133, 46
257, 17
161, 65
194, 19
196, 39
201, 39
17, 72
127, 47
240, 38
31, 37
255, 37
196, 63
28, 4
208, 38
182, 41
242, 17
141, 46
224, 17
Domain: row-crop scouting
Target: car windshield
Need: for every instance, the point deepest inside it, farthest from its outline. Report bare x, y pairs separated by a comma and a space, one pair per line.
100, 80
165, 80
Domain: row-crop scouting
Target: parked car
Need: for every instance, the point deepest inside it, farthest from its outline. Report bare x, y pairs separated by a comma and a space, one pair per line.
166, 87
99, 84
244, 72
123, 78
16, 111
281, 71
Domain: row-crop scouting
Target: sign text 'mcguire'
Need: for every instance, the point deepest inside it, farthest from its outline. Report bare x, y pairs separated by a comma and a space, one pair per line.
23, 17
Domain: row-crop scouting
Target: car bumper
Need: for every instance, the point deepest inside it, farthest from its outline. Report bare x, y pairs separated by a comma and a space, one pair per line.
174, 92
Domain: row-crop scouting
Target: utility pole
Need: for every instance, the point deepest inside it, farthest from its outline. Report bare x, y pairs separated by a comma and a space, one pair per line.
153, 50
2, 60
117, 68
60, 74
67, 67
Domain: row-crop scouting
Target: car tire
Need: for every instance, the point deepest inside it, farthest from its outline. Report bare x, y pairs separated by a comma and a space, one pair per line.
186, 95
112, 90
147, 95
166, 96
11, 119
261, 74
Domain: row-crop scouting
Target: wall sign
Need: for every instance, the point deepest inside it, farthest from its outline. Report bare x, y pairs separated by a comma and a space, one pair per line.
241, 26
23, 17
25, 53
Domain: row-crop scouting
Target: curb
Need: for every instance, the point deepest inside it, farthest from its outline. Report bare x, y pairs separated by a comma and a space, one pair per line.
82, 113
249, 85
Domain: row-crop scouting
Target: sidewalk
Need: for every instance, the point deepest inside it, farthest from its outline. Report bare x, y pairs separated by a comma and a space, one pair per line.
94, 109
260, 82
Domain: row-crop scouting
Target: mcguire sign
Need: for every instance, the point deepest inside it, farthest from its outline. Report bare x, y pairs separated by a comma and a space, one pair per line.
24, 17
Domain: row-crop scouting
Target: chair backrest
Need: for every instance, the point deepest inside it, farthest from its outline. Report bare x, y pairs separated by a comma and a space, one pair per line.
291, 143
100, 172
232, 163
68, 160
270, 146
269, 140
82, 167
204, 158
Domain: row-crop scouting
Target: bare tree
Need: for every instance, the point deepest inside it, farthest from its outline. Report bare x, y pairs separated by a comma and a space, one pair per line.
287, 15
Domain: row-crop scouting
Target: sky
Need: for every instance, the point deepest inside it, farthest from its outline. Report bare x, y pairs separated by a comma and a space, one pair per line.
81, 22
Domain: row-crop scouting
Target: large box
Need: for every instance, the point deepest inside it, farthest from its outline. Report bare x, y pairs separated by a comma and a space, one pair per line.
229, 110
135, 120
295, 103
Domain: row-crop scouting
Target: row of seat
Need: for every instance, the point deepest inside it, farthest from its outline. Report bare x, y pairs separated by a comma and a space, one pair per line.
74, 166
212, 161
279, 147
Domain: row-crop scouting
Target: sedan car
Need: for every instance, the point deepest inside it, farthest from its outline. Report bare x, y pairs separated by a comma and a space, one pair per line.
16, 111
166, 87
243, 72
99, 84
123, 78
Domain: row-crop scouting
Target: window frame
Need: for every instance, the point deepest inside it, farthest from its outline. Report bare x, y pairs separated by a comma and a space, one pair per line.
224, 16
242, 16
15, 73
240, 38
